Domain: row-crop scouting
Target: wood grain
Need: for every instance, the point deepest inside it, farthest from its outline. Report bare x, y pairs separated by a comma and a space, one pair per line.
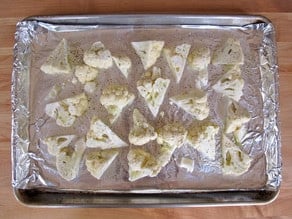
279, 12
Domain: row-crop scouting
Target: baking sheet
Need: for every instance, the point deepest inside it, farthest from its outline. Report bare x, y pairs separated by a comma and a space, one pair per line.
36, 37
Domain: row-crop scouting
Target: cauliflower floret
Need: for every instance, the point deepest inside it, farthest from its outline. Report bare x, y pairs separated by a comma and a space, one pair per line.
235, 161
229, 53
142, 132
199, 58
57, 62
85, 73
187, 164
101, 136
176, 59
173, 134
148, 51
239, 134
97, 162
124, 64
153, 89
54, 92
97, 56
194, 102
141, 164
236, 117
230, 84
202, 137
90, 87
56, 143
68, 160
66, 111
114, 98
169, 137
164, 155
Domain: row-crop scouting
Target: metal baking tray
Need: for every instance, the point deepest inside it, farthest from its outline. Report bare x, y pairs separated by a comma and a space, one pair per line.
31, 187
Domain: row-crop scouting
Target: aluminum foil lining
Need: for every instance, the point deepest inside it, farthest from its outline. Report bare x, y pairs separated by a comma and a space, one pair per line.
33, 167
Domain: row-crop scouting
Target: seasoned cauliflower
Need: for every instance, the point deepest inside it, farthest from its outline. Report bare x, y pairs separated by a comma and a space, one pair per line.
176, 59
90, 87
56, 143
239, 134
101, 136
236, 117
170, 137
153, 89
228, 53
53, 93
235, 161
98, 57
114, 98
148, 51
142, 132
187, 164
124, 64
199, 58
68, 160
230, 84
201, 136
85, 73
57, 62
164, 155
202, 78
141, 164
194, 102
173, 134
97, 162
66, 111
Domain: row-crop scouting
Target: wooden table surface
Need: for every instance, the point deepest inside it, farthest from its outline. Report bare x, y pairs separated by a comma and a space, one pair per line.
278, 11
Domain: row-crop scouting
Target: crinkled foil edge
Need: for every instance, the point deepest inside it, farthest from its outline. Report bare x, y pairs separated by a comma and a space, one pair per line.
24, 35
270, 95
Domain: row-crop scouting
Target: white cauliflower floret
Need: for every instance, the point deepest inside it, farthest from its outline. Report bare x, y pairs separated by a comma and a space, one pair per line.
54, 92
142, 132
202, 78
56, 143
153, 89
97, 162
97, 56
57, 62
101, 136
239, 134
124, 64
176, 59
68, 160
228, 53
201, 136
187, 164
236, 117
230, 84
235, 161
164, 155
199, 58
173, 134
90, 87
141, 164
148, 51
66, 111
85, 73
114, 98
193, 102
